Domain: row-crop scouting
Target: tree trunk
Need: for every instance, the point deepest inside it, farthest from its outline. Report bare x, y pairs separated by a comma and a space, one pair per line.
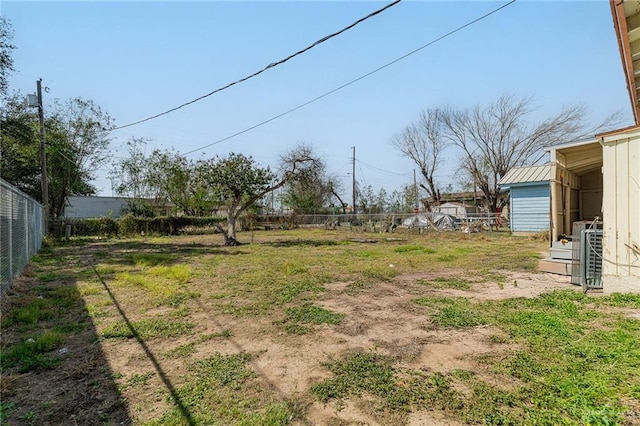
229, 234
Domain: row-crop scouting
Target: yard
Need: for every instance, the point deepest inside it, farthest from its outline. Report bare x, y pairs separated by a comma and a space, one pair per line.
311, 327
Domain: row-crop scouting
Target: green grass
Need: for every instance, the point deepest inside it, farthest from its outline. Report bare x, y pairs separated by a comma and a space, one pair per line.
453, 312
300, 319
414, 248
446, 282
147, 329
222, 389
182, 351
152, 259
33, 353
561, 358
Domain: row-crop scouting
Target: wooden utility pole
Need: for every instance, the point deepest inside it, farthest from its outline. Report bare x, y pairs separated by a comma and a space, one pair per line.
43, 155
353, 181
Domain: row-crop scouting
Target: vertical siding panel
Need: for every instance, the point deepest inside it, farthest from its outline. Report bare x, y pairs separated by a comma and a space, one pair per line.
633, 216
623, 211
609, 202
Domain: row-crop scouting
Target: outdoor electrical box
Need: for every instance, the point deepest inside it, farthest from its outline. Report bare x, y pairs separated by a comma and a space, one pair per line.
32, 100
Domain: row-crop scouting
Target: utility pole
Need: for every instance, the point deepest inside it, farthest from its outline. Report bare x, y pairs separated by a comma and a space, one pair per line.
353, 177
43, 156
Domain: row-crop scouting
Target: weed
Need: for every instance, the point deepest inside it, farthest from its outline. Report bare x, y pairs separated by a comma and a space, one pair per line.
32, 354
414, 248
620, 300
94, 312
182, 351
299, 318
224, 370
178, 298
446, 282
89, 290
224, 334
152, 259
5, 410
453, 312
447, 257
178, 273
36, 311
139, 379
146, 329
48, 277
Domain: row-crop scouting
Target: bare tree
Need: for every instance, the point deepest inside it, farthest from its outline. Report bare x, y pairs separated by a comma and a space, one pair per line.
335, 187
497, 137
310, 190
424, 142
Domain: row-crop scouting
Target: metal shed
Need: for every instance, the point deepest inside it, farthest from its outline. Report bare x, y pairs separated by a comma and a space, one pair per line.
529, 198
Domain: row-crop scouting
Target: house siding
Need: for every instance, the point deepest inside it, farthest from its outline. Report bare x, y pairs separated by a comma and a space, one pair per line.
86, 207
621, 214
529, 210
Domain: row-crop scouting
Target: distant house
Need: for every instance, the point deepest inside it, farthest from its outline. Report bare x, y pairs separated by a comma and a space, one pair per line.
86, 207
459, 210
79, 207
529, 198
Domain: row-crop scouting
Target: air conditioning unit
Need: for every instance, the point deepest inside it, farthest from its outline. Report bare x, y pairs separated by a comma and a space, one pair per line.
586, 264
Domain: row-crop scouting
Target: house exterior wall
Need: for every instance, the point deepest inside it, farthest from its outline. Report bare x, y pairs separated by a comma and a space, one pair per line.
458, 210
621, 212
529, 207
85, 207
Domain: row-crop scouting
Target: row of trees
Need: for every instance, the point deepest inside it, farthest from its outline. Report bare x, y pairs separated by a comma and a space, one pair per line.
201, 188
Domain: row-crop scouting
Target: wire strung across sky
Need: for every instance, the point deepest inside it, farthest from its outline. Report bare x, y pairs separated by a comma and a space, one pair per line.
271, 65
362, 77
381, 170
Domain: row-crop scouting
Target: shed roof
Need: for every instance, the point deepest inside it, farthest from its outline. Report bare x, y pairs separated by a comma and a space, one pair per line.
527, 174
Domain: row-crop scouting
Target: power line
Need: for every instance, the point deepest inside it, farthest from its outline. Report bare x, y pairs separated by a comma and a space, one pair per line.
382, 170
362, 77
271, 65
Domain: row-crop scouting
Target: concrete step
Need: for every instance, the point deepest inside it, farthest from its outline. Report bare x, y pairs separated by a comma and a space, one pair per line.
561, 253
555, 266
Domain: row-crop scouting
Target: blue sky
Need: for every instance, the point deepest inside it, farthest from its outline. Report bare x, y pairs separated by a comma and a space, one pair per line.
136, 59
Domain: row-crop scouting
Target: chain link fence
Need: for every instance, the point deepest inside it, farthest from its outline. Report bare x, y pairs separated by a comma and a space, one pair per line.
389, 221
21, 232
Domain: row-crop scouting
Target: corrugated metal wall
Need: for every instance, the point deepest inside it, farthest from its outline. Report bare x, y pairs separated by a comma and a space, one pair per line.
530, 208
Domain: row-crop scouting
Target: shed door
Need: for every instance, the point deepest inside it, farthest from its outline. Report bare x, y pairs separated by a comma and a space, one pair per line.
530, 208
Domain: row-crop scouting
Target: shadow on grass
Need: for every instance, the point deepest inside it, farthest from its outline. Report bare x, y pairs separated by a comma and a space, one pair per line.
53, 369
184, 411
296, 243
153, 254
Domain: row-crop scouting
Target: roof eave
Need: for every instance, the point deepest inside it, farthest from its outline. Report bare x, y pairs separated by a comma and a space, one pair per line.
622, 35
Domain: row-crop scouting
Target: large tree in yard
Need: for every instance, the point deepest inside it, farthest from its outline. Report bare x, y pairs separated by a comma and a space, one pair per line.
6, 60
238, 182
76, 145
497, 137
